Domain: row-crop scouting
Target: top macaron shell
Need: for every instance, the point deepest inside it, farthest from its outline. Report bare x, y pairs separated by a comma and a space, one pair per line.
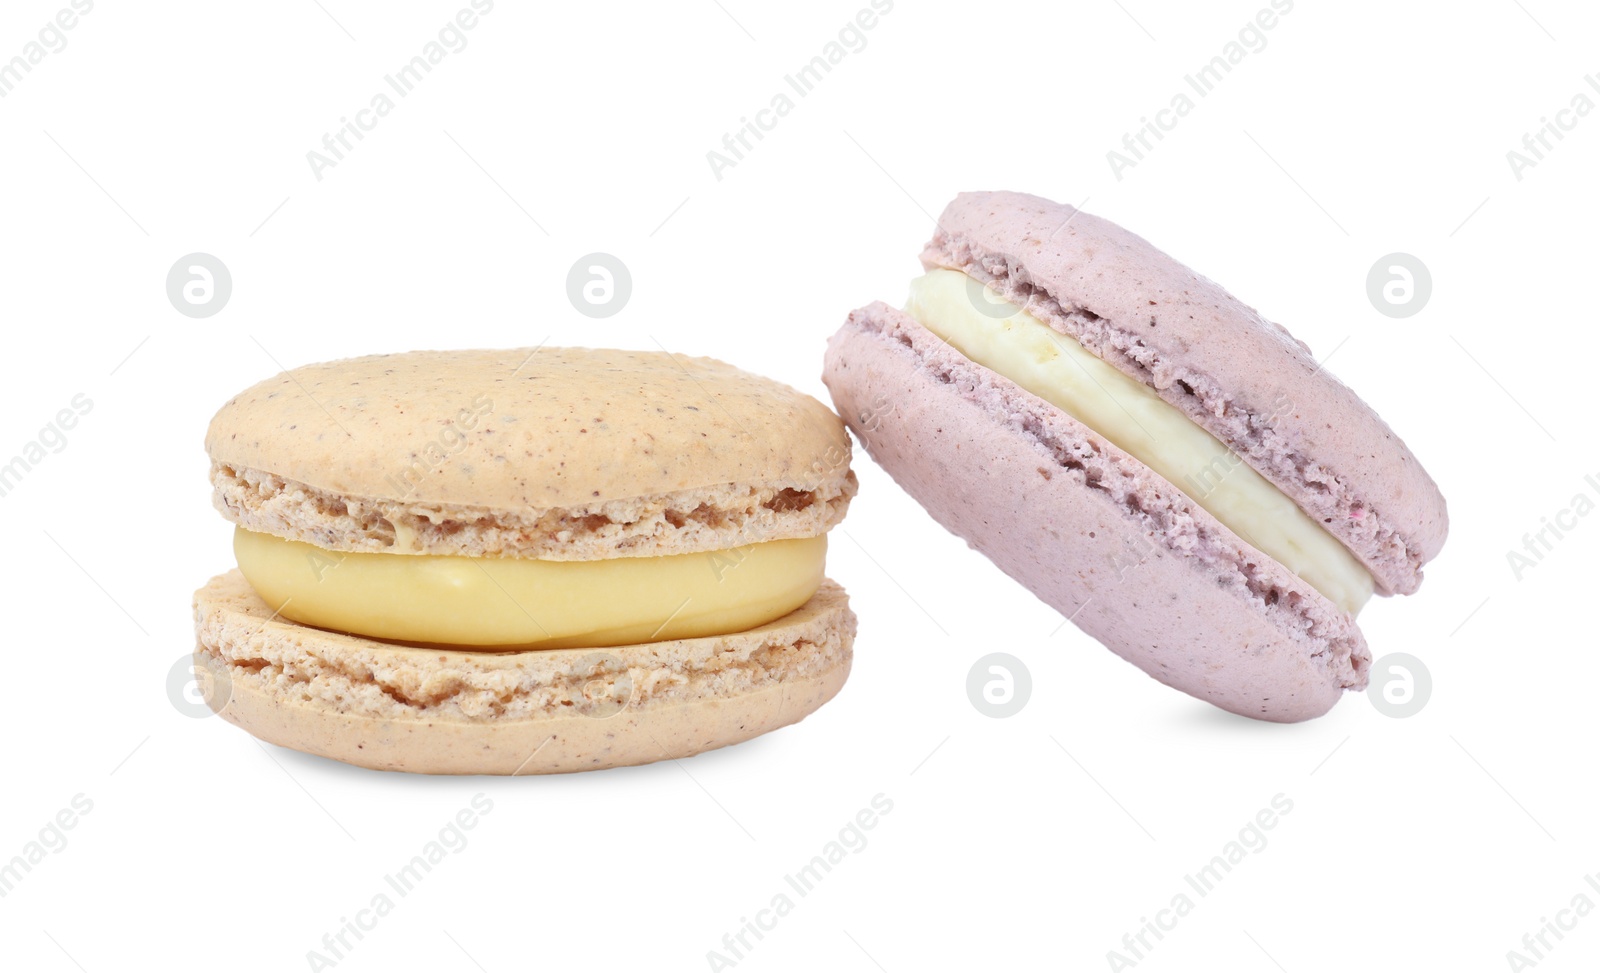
555, 427
564, 453
1213, 357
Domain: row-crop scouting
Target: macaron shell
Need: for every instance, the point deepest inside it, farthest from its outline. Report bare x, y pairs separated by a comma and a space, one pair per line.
1204, 351
431, 711
1088, 529
554, 745
530, 428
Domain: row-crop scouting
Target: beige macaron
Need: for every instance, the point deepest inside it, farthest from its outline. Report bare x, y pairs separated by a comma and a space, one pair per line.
457, 464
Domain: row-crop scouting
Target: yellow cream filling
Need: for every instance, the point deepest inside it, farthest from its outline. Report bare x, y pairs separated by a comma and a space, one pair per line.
1004, 338
510, 603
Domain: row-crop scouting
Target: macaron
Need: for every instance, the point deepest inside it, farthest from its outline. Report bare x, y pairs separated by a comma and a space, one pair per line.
1148, 455
524, 561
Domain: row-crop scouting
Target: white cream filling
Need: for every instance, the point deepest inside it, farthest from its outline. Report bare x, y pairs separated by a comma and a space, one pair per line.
1004, 338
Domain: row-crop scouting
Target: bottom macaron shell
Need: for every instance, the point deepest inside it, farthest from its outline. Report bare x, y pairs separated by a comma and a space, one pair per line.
442, 711
1088, 529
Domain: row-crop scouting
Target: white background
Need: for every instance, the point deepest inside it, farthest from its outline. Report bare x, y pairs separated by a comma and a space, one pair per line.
1362, 128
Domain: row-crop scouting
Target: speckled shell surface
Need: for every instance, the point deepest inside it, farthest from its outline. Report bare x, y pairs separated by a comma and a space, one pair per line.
548, 452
